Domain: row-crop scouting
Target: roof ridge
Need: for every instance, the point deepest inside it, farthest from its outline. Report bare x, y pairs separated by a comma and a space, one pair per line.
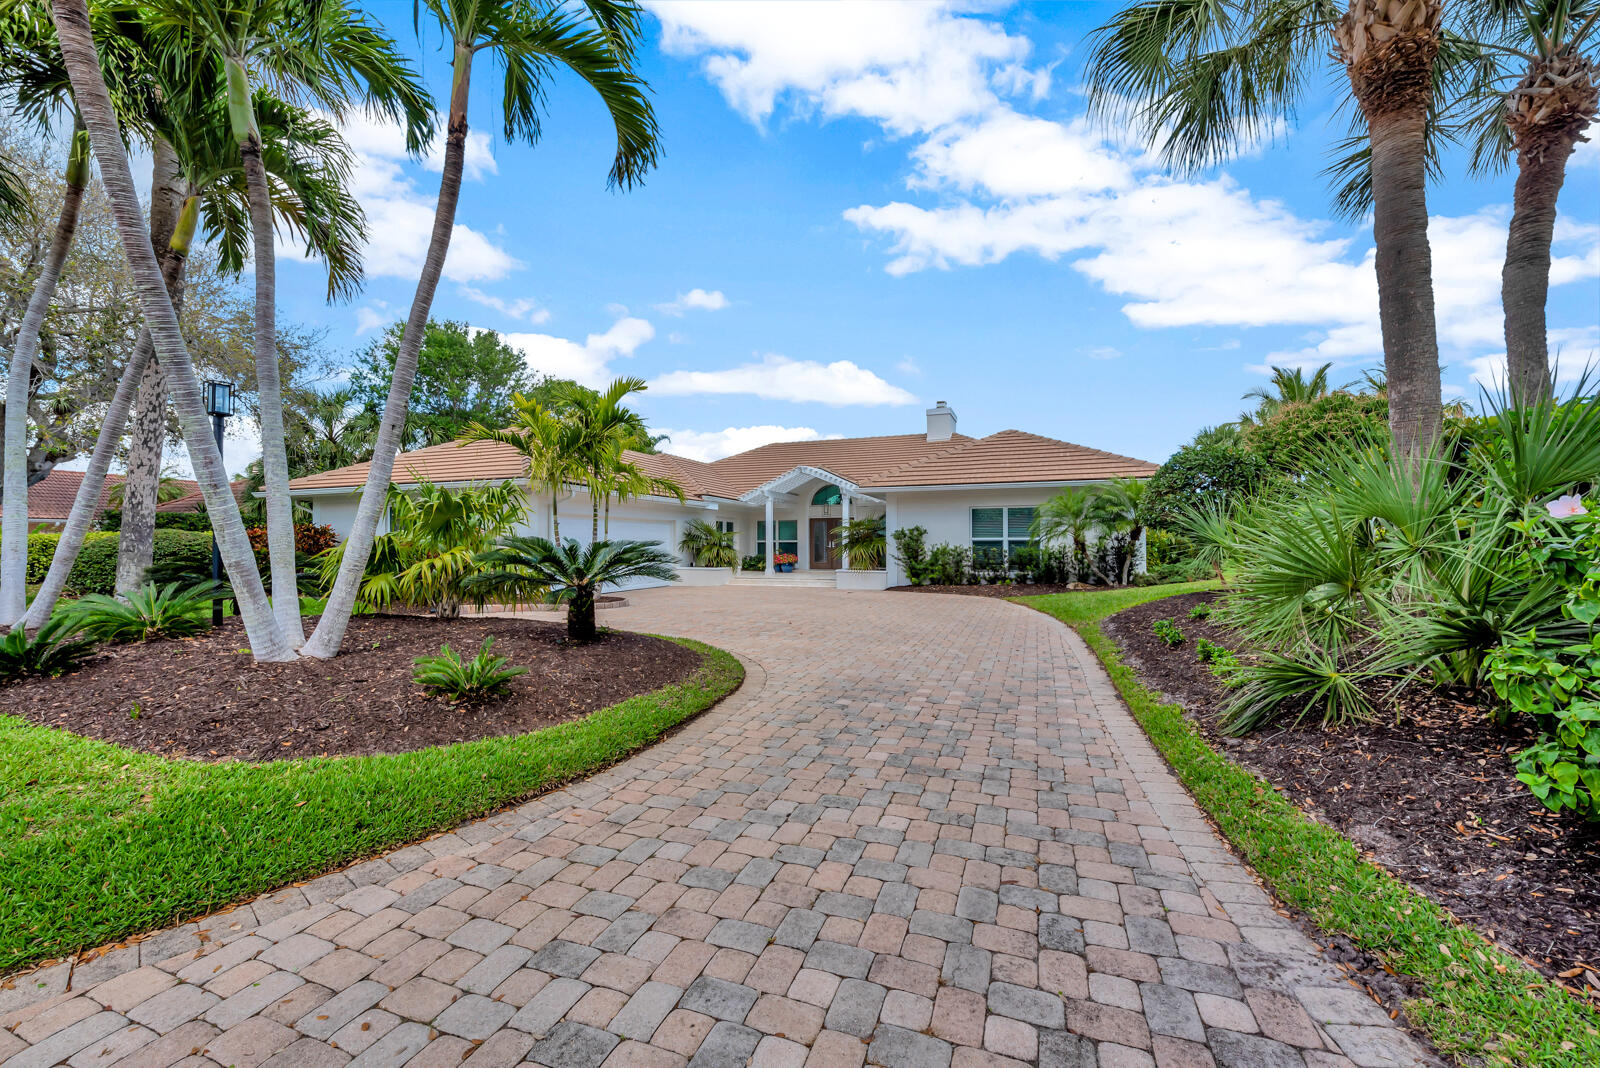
824, 441
959, 446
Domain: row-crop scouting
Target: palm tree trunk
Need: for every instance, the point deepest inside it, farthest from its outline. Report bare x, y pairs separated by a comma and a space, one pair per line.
267, 640
1405, 282
1525, 279
555, 520
580, 616
19, 386
274, 454
141, 485
329, 635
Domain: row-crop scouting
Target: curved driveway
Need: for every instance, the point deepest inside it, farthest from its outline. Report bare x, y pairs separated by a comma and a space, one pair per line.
924, 832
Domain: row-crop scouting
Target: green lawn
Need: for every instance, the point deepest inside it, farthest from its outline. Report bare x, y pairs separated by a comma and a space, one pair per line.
98, 842
1477, 1003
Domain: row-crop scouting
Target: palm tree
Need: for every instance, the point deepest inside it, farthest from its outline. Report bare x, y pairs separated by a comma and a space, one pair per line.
267, 639
549, 448
329, 52
1205, 75
863, 542
603, 428
708, 546
596, 41
1540, 116
1114, 508
568, 572
1067, 519
1288, 387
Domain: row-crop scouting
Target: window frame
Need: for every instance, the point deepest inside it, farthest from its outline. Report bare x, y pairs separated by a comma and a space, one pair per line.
1009, 540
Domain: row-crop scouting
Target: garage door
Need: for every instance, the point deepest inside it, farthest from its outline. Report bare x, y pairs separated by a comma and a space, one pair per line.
657, 530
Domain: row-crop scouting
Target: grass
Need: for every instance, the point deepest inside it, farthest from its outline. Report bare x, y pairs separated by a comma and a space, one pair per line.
98, 842
1477, 1001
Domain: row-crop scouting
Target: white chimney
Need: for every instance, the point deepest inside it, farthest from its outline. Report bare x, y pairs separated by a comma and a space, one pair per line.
941, 422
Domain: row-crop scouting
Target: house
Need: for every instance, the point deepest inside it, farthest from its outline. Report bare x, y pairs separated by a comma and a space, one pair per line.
50, 499
974, 491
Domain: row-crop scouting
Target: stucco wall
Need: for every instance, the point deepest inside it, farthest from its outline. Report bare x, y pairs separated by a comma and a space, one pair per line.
945, 514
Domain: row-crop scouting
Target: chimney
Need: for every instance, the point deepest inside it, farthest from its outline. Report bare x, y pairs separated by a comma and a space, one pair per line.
941, 422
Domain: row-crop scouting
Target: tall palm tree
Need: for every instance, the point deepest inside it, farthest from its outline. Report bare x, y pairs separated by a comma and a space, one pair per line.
327, 51
267, 639
549, 449
1537, 96
596, 40
1207, 74
1289, 386
604, 428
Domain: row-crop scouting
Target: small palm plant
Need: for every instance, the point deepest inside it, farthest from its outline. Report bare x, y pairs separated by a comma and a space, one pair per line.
485, 675
50, 651
864, 541
709, 547
570, 573
170, 611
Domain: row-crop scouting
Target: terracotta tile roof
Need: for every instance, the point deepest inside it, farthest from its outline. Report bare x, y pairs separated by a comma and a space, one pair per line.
895, 460
194, 500
1012, 456
51, 497
490, 461
856, 459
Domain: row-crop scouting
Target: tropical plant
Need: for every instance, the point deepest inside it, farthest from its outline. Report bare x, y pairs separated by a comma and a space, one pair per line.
596, 41
911, 550
1296, 432
170, 611
48, 651
1206, 78
1116, 511
485, 675
1289, 386
1167, 632
752, 563
570, 573
602, 428
863, 542
1199, 476
1066, 520
708, 546
1201, 611
435, 536
1208, 530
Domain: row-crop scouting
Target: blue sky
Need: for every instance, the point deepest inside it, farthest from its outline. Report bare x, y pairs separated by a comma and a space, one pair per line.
863, 209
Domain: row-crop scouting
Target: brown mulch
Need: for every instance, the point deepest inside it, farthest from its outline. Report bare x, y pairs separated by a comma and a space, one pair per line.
1009, 589
204, 698
1431, 794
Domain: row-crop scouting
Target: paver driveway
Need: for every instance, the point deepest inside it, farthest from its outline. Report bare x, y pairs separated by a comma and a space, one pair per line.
924, 833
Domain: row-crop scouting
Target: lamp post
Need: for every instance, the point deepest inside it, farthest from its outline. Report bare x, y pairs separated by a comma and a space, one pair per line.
219, 405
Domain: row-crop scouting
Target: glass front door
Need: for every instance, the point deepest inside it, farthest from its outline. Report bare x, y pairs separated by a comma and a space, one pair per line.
822, 558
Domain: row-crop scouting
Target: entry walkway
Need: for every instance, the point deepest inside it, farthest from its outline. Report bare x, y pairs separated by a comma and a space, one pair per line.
924, 833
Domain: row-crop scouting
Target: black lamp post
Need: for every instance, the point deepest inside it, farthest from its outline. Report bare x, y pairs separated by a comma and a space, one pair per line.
219, 405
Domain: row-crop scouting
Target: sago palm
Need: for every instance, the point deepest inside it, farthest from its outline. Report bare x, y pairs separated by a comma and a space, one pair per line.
1206, 75
595, 40
568, 572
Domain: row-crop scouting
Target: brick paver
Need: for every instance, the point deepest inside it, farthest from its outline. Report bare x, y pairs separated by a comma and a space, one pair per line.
924, 832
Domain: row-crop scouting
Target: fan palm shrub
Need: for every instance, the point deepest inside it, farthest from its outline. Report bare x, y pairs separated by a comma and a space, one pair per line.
485, 675
864, 541
146, 613
569, 573
435, 536
709, 547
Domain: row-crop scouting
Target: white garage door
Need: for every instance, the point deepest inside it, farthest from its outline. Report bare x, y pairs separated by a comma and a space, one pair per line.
659, 530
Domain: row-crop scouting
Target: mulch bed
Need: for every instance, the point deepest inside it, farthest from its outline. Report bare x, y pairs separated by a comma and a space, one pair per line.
1431, 795
1010, 589
205, 699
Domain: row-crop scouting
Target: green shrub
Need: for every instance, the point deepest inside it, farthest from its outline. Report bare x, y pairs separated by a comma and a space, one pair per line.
485, 675
1201, 611
1224, 663
950, 565
148, 612
911, 549
1198, 476
753, 563
1167, 631
112, 520
182, 556
51, 651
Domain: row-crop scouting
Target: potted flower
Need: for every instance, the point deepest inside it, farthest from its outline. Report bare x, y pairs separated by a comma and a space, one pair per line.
785, 561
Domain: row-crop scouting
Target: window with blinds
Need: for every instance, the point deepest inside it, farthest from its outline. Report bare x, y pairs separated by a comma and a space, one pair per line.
1000, 530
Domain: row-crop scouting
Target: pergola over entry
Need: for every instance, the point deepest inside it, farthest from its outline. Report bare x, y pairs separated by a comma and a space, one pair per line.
782, 489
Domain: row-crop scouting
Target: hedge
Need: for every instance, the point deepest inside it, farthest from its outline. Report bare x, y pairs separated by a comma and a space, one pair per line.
112, 520
95, 570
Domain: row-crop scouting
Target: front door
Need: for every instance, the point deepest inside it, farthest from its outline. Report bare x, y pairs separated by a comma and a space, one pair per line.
822, 558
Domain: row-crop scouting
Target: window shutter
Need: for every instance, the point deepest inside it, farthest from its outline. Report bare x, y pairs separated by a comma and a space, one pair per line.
988, 523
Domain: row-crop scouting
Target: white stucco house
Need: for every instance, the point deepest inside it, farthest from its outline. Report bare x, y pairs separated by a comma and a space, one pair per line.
963, 490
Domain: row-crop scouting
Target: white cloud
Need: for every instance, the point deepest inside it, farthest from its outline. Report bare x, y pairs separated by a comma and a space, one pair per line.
522, 308
370, 318
695, 300
588, 363
710, 445
777, 377
1103, 352
907, 365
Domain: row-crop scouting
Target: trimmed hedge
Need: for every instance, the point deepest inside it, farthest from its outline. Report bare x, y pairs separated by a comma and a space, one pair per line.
95, 570
112, 520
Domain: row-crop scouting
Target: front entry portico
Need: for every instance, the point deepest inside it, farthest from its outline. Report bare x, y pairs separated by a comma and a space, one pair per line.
803, 492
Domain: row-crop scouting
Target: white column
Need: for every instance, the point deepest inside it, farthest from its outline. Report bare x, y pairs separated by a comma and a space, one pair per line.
844, 516
802, 533
772, 536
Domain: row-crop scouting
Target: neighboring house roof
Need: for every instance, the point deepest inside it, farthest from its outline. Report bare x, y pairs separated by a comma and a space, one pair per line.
1013, 456
51, 497
895, 460
195, 501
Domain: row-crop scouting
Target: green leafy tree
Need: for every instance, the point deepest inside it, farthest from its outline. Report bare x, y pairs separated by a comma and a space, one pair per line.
464, 376
1198, 476
1297, 431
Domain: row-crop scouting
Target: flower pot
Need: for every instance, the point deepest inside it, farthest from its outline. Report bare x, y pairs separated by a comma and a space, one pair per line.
785, 567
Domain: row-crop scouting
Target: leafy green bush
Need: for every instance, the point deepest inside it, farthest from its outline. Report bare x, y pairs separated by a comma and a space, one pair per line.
169, 611
752, 563
1167, 631
1299, 431
112, 520
1197, 476
950, 565
1201, 611
485, 675
708, 546
50, 651
1224, 663
911, 549
181, 556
